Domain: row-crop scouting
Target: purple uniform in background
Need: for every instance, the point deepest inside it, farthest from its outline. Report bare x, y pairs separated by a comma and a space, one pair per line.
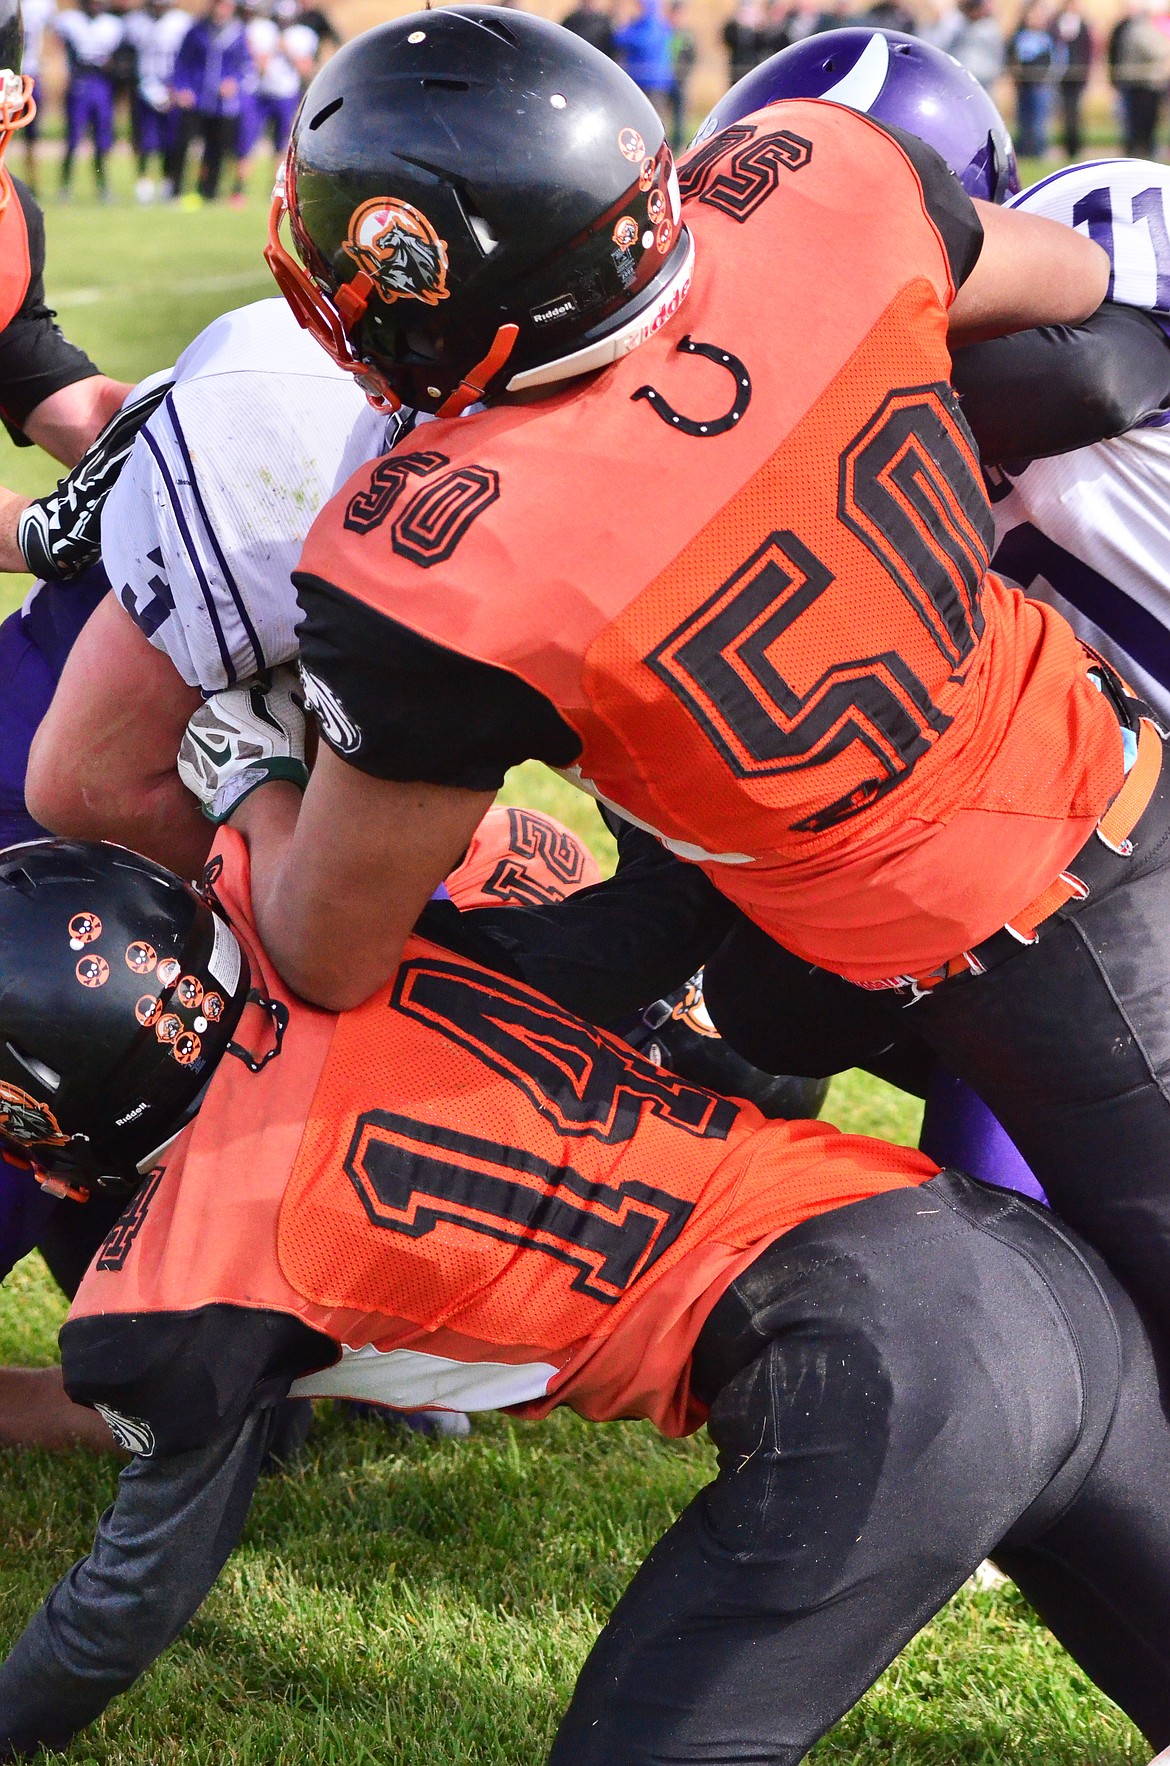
90, 42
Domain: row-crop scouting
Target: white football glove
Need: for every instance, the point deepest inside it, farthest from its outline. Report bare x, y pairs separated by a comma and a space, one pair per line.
241, 739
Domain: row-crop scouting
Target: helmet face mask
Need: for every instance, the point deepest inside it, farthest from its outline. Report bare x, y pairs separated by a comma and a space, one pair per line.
475, 197
898, 80
120, 988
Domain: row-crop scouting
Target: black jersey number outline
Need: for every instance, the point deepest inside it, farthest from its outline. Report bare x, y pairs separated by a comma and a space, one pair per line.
532, 836
909, 489
411, 1175
430, 525
738, 169
581, 1080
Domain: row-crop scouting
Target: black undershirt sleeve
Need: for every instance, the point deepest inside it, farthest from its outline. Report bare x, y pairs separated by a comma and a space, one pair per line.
398, 706
608, 950
36, 359
1046, 391
947, 204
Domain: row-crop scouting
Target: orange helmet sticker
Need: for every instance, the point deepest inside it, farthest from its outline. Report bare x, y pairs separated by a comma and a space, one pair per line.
398, 249
189, 992
212, 1007
168, 1027
186, 1048
656, 206
168, 972
631, 145
83, 929
646, 174
625, 232
93, 971
147, 1009
141, 957
26, 1119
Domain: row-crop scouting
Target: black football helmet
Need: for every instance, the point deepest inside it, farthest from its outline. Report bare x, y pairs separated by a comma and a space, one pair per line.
482, 203
120, 988
17, 105
677, 1032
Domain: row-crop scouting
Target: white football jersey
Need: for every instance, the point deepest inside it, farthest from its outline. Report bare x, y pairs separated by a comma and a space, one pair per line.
203, 529
1089, 532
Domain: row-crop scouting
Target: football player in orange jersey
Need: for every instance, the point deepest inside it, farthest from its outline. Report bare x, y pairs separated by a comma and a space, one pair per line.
718, 544
459, 1194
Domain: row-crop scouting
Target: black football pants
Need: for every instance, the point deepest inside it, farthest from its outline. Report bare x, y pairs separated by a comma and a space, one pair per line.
898, 1389
1067, 1041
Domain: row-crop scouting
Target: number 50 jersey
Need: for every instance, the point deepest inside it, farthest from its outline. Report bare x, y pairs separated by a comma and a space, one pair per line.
745, 570
468, 1198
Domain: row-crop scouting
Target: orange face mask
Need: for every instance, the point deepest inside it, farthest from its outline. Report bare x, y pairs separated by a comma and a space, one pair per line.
18, 107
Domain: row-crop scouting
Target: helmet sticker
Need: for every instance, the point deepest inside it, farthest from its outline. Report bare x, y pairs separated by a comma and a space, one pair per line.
631, 145
646, 174
83, 929
168, 972
25, 1119
141, 957
189, 992
147, 1010
664, 238
625, 232
93, 971
656, 207
399, 250
212, 1007
186, 1048
168, 1027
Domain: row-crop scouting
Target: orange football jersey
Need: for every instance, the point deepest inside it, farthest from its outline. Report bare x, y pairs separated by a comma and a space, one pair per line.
15, 264
482, 1201
748, 566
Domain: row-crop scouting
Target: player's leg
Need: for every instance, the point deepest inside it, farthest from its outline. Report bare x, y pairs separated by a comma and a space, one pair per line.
74, 129
1097, 1575
894, 1385
1068, 1043
103, 130
102, 765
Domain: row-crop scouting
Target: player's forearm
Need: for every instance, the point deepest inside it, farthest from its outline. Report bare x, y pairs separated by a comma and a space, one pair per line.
12, 507
67, 421
1031, 271
156, 1555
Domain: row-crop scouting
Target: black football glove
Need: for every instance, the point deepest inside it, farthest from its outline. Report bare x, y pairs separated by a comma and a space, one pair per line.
61, 535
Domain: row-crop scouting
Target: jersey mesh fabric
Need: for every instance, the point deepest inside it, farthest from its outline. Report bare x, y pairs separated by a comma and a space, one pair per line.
779, 644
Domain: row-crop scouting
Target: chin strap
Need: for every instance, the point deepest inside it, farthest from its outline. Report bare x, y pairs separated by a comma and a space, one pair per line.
471, 388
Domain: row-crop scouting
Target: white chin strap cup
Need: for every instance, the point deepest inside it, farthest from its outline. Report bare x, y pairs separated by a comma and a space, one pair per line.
620, 342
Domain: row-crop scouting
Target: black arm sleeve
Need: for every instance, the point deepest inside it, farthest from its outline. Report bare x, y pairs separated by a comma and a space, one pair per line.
157, 1552
36, 359
609, 949
398, 706
947, 204
1047, 391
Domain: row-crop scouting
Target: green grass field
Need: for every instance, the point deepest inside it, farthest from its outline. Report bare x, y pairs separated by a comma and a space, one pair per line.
425, 1605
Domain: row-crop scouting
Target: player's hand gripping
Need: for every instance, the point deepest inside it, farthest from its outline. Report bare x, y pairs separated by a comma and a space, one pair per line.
243, 738
60, 534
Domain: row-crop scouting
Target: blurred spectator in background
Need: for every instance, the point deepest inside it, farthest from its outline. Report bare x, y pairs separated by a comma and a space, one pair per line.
745, 39
590, 20
90, 36
792, 25
37, 14
322, 28
1139, 65
209, 75
940, 24
889, 15
642, 46
683, 51
979, 42
155, 33
1035, 61
1072, 33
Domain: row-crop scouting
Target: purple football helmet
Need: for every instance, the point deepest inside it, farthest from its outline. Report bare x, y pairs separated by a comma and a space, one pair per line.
894, 79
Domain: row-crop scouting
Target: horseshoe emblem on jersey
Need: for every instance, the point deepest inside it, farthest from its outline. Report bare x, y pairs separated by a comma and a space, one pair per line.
711, 425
